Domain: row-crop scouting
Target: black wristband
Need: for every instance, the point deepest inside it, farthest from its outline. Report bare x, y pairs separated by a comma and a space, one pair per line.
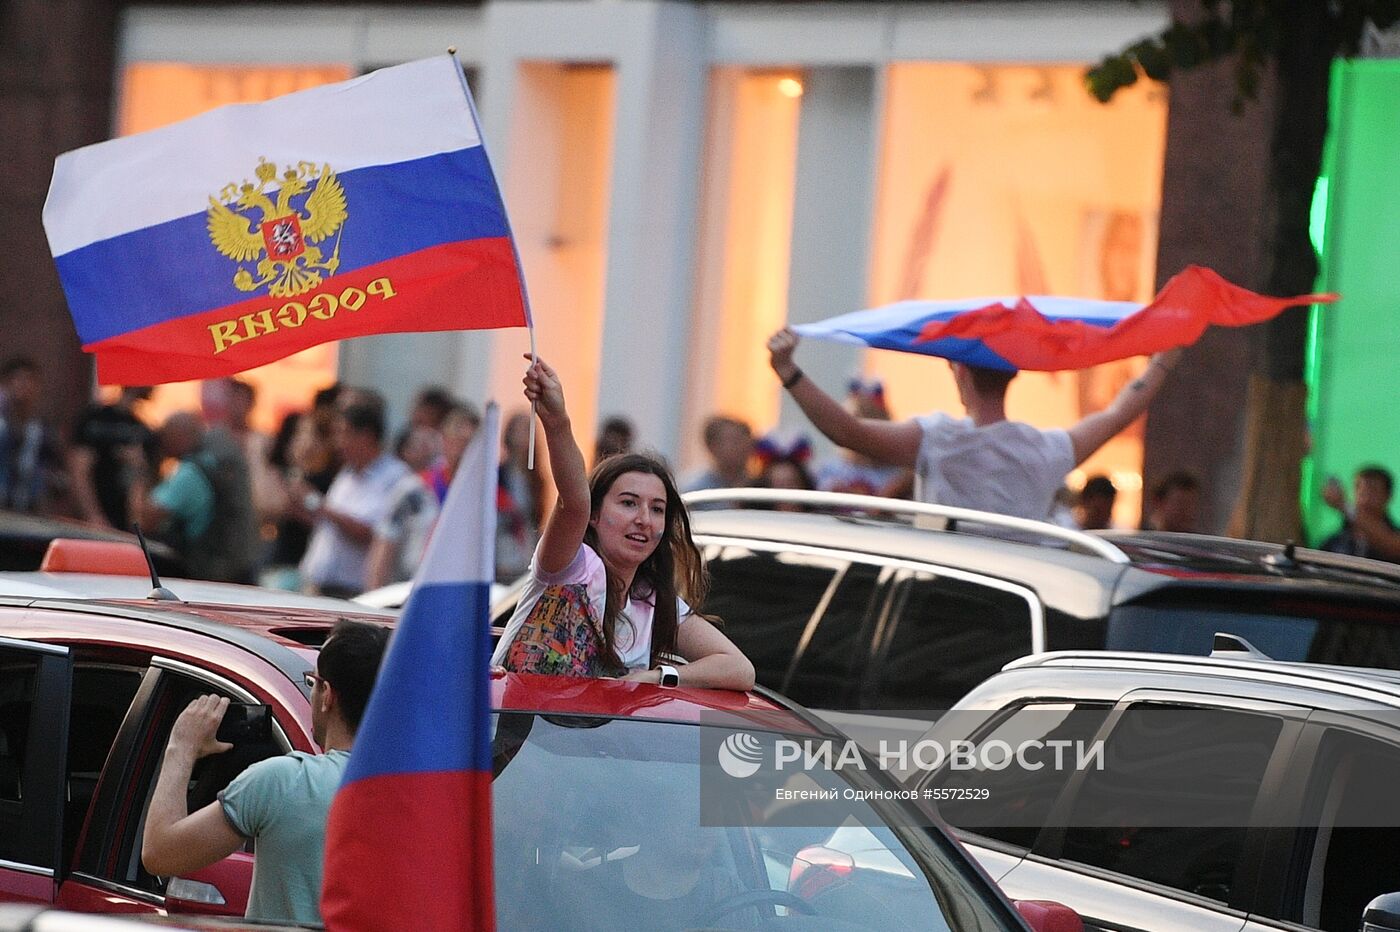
793, 379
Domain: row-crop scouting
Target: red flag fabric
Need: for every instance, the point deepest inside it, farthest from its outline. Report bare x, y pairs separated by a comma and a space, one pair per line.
1193, 300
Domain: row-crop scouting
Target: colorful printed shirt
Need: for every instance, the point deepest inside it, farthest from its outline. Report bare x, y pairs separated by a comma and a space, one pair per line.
557, 625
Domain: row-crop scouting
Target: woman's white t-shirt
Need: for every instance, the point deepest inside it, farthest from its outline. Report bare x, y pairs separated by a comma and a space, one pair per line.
557, 605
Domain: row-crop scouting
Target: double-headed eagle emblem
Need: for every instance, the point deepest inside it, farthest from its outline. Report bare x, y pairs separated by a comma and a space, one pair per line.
281, 236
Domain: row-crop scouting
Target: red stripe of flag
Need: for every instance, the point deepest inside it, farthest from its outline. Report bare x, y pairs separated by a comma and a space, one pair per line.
468, 285
1194, 299
438, 887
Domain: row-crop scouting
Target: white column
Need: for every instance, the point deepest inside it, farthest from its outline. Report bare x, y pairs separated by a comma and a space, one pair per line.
658, 54
652, 224
831, 221
397, 365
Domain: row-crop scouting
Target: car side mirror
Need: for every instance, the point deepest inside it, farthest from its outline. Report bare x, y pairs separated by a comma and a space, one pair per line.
1382, 914
183, 895
1049, 916
221, 889
816, 868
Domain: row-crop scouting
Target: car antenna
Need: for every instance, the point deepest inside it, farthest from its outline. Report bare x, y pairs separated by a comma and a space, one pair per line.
1287, 560
158, 592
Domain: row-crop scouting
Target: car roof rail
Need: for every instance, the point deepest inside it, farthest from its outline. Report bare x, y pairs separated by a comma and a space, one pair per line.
845, 501
1380, 570
1233, 647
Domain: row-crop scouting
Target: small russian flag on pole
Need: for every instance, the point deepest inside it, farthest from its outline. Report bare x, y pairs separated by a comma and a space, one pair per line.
408, 845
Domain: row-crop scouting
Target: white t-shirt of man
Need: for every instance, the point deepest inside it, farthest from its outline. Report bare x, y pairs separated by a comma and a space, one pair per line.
1008, 468
408, 523
332, 558
581, 588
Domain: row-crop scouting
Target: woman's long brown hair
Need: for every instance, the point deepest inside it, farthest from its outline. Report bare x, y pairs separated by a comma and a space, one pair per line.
675, 567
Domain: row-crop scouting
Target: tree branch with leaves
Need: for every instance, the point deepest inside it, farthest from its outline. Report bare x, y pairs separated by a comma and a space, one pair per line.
1291, 43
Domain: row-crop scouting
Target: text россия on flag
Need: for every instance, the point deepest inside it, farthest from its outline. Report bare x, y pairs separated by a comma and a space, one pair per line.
251, 232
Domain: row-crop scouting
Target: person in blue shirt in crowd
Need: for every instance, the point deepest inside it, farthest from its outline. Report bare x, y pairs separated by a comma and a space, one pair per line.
204, 507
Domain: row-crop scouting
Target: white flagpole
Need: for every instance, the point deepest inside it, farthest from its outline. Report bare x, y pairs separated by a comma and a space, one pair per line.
525, 296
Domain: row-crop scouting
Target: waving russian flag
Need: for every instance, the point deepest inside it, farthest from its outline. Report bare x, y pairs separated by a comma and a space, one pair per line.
408, 845
245, 234
1053, 333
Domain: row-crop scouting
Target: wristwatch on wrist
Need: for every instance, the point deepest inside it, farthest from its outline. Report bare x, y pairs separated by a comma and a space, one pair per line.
670, 676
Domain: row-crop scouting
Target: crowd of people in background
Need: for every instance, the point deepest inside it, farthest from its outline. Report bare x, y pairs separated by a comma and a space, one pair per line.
331, 503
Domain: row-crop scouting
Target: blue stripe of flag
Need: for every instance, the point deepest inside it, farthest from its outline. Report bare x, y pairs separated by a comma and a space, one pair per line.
432, 698
903, 336
172, 269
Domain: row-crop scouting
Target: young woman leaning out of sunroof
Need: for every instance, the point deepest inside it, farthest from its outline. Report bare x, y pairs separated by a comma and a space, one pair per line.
615, 572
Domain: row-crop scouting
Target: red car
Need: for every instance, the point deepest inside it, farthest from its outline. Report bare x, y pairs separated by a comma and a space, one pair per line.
589, 774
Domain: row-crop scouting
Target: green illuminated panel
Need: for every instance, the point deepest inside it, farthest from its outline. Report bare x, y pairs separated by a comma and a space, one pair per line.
1352, 372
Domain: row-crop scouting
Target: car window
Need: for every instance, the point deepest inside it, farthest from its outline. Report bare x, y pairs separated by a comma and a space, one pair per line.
1012, 803
942, 637
1303, 630
832, 658
209, 776
618, 841
24, 832
767, 601
1175, 795
1065, 631
102, 695
1351, 824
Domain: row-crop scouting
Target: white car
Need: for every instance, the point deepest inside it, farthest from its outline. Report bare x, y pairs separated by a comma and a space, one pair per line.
393, 596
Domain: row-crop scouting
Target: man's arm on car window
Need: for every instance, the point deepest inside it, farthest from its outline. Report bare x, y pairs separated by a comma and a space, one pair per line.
175, 840
199, 839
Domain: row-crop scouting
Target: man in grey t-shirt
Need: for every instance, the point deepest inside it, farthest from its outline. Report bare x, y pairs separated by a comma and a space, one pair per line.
982, 461
280, 803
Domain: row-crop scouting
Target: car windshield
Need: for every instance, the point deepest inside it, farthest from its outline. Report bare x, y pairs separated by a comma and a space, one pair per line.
598, 826
1283, 629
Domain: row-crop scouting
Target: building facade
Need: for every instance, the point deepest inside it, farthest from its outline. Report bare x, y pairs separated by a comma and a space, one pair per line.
682, 178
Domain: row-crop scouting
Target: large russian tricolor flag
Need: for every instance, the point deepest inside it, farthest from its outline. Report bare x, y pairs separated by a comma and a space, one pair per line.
408, 845
253, 231
1048, 333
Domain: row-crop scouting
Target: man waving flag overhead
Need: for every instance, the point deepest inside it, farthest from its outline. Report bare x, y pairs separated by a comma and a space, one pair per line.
245, 234
984, 461
408, 845
1051, 333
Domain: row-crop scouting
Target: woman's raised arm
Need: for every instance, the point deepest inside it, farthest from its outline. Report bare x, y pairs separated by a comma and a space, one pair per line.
566, 524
